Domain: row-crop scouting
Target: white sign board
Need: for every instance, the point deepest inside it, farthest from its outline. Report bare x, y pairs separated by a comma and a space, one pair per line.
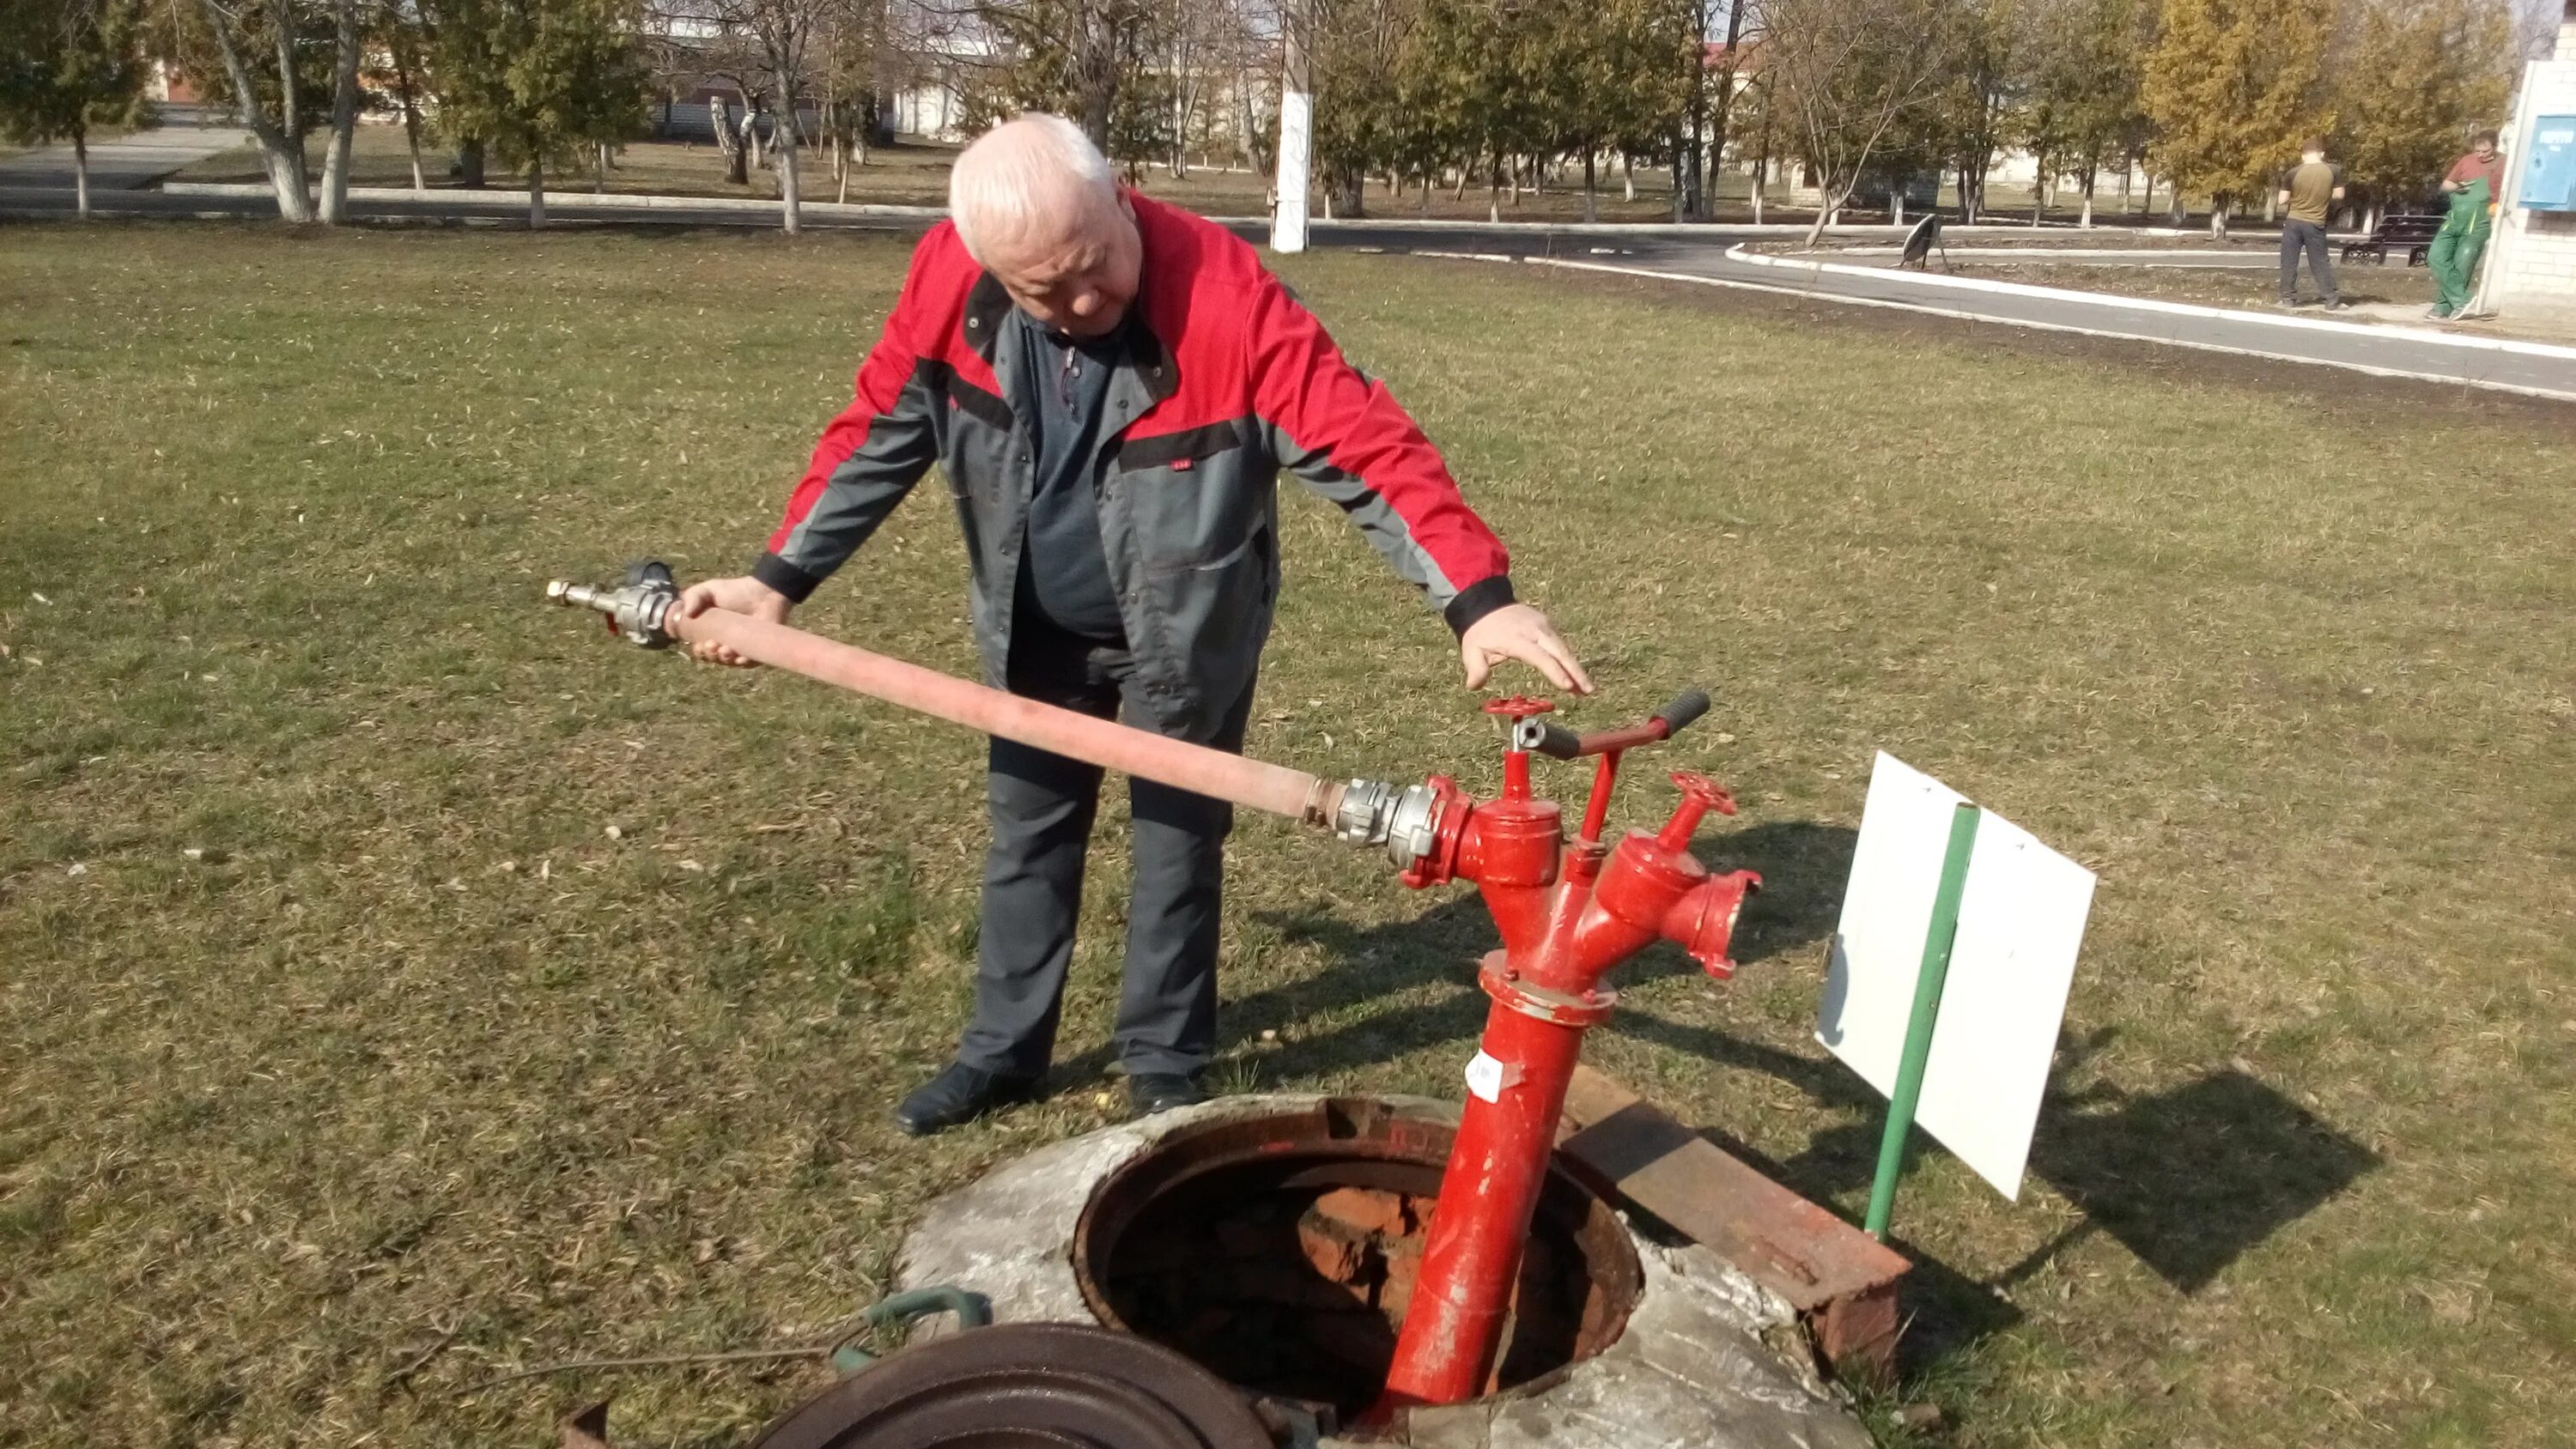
2021, 921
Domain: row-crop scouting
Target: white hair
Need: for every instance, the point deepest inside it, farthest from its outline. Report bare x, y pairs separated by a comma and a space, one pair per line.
1038, 171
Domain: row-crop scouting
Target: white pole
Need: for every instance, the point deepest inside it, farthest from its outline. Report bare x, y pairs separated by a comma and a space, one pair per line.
1296, 137
2501, 240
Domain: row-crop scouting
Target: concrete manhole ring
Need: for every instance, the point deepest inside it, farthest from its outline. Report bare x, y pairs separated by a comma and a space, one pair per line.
1686, 1365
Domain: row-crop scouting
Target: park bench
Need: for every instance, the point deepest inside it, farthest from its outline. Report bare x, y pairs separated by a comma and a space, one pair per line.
2411, 230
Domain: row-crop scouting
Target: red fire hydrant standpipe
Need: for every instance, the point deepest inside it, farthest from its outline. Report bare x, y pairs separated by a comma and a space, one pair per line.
1568, 913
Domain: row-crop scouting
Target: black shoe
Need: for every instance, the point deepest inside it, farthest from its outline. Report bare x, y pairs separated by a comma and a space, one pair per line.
2338, 304
1152, 1092
958, 1095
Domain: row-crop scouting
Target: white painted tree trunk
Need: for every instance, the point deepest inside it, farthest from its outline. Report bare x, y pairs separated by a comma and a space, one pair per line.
80, 171
344, 113
281, 151
791, 196
536, 194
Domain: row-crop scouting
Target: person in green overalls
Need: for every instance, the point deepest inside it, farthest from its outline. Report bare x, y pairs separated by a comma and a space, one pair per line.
2475, 186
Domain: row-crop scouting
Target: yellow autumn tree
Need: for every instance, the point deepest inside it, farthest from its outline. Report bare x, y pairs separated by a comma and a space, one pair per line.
2232, 86
2413, 80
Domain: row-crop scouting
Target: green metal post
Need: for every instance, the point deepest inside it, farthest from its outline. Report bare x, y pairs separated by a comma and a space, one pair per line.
1918, 1025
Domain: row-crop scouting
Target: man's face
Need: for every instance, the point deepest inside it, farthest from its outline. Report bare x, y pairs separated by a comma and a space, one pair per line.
2483, 147
1078, 281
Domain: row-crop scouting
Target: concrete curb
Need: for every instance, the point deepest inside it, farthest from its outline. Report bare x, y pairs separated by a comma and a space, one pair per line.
596, 200
641, 201
2158, 304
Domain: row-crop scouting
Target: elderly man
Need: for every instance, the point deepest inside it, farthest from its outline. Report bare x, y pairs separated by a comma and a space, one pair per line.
1112, 386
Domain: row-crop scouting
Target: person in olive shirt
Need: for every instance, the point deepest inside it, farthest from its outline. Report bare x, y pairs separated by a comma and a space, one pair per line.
2474, 186
2307, 194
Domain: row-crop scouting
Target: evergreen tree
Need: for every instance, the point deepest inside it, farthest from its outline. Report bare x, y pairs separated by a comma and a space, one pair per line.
68, 67
540, 80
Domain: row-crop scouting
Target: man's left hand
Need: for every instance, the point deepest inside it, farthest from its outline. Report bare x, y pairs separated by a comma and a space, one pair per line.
1517, 631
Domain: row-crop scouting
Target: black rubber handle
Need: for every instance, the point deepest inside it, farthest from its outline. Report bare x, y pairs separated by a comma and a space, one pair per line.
1683, 711
1559, 743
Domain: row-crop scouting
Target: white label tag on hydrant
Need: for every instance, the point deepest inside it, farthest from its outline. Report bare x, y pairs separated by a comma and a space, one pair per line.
1485, 1077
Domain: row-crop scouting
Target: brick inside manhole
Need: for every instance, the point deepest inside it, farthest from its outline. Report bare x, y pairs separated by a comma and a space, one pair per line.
1280, 1251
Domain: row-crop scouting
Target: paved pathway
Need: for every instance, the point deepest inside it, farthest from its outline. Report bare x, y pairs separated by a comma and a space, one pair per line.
124, 163
1698, 255
2416, 352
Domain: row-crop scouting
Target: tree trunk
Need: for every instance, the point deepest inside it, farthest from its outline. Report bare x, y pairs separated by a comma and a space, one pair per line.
1896, 204
1591, 196
283, 13
408, 96
344, 112
280, 153
80, 170
1826, 206
1628, 177
2091, 176
411, 138
791, 194
2218, 207
469, 162
599, 174
536, 193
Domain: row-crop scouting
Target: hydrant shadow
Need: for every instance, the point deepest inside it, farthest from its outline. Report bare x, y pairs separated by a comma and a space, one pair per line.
2187, 1176
1803, 865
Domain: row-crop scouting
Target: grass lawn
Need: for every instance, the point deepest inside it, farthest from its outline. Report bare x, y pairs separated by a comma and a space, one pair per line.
404, 983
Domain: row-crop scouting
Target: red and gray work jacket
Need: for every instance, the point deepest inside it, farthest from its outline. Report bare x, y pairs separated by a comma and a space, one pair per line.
1226, 381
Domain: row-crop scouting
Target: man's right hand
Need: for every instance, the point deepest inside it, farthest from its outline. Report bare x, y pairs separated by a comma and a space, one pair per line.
745, 595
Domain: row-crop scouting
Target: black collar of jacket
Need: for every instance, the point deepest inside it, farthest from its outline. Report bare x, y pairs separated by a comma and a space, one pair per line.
989, 304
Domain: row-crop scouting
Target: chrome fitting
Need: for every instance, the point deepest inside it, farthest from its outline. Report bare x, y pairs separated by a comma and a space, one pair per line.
1405, 821
1363, 818
635, 612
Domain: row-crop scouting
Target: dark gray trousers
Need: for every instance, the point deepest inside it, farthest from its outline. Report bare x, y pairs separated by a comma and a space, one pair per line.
2298, 236
1042, 806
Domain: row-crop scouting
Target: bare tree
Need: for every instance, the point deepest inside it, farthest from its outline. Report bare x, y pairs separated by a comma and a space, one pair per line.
346, 36
281, 140
783, 32
1848, 74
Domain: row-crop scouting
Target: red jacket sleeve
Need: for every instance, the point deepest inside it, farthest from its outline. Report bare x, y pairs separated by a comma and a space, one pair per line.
1345, 436
870, 456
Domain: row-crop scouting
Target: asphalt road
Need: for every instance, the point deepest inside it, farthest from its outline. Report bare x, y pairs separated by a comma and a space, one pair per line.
1699, 255
126, 161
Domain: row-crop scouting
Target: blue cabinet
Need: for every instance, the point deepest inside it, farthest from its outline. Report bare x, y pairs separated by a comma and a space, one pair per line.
2549, 165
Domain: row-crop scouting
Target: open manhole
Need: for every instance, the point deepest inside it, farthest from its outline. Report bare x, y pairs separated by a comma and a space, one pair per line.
1280, 1251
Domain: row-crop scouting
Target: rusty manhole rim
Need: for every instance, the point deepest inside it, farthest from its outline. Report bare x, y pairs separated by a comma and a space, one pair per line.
1368, 1142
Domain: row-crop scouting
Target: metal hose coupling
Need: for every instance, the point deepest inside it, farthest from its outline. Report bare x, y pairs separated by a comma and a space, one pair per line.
1406, 820
635, 610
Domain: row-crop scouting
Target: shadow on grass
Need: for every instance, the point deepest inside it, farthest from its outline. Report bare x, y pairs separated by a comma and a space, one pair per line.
2187, 1179
1803, 864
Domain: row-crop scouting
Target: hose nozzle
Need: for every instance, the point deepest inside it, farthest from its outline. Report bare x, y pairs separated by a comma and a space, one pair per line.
635, 610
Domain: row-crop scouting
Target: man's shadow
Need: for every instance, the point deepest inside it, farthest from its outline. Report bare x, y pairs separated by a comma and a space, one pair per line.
2187, 1179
